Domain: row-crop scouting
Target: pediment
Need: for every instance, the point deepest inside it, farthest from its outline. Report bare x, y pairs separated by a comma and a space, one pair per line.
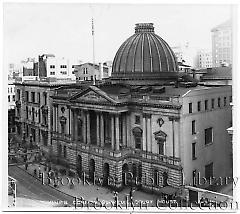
92, 94
160, 135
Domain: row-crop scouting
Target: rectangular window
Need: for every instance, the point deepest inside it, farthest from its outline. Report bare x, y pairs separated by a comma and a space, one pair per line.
161, 148
206, 104
33, 114
26, 112
9, 98
13, 97
230, 99
225, 101
18, 94
219, 102
208, 136
26, 96
138, 142
194, 177
33, 97
39, 115
137, 119
52, 66
212, 101
194, 151
39, 98
209, 171
45, 98
190, 108
193, 127
199, 105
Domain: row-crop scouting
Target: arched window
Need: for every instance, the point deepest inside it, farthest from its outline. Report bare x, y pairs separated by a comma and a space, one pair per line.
155, 177
160, 137
137, 133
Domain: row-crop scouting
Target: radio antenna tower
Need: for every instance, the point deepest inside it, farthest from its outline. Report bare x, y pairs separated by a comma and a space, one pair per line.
93, 51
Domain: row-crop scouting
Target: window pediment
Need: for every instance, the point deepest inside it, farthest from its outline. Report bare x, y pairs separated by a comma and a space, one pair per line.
160, 136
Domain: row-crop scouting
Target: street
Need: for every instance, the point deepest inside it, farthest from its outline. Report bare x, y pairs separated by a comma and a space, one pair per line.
31, 188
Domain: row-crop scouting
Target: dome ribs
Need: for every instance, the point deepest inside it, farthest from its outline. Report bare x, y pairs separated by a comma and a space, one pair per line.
122, 51
142, 58
127, 61
150, 55
145, 56
170, 53
124, 56
164, 54
116, 58
134, 54
159, 57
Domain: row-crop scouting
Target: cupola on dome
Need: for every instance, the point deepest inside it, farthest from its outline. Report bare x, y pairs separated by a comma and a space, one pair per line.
144, 55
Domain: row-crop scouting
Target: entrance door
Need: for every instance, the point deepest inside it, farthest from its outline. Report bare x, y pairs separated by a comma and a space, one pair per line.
91, 170
105, 174
79, 165
124, 174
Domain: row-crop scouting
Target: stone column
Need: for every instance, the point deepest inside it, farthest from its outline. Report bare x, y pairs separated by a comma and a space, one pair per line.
98, 128
69, 120
144, 134
88, 128
128, 130
117, 131
112, 132
101, 129
54, 118
84, 128
57, 119
72, 124
173, 119
76, 125
124, 127
177, 139
149, 133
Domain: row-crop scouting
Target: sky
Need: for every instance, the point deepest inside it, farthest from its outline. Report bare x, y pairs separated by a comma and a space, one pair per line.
64, 29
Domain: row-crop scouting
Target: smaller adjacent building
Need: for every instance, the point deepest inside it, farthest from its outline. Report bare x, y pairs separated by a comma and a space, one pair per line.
92, 72
11, 107
217, 76
204, 59
33, 109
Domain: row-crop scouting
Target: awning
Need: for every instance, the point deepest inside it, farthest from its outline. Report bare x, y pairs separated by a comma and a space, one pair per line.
169, 190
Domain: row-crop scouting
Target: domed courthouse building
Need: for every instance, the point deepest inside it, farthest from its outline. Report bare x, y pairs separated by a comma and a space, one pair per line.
147, 121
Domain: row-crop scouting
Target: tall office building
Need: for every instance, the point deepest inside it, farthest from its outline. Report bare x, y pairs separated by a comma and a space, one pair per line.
222, 44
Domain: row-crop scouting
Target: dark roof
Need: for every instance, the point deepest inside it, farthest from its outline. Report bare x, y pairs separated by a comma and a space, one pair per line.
145, 54
217, 73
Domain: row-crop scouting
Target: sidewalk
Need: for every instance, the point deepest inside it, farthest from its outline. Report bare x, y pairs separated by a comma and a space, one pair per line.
91, 192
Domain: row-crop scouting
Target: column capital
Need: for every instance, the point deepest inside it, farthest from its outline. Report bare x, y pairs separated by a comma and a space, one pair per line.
147, 115
55, 105
174, 118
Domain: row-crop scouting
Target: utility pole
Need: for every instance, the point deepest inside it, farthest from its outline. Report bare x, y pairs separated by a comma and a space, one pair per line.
93, 51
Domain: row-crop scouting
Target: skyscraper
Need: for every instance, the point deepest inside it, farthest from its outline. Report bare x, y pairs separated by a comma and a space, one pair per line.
222, 44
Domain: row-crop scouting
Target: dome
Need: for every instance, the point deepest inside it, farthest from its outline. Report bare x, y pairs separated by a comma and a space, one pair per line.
144, 55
